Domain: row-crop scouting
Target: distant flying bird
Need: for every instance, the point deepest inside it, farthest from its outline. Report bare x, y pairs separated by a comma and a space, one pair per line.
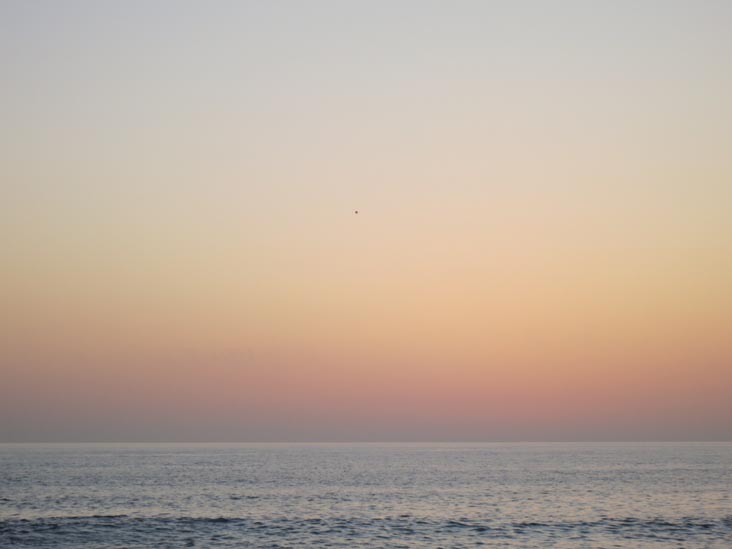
355, 211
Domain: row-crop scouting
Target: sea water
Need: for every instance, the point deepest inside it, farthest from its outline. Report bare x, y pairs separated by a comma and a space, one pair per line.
366, 495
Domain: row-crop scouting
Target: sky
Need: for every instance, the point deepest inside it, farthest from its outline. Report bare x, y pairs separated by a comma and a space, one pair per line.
543, 249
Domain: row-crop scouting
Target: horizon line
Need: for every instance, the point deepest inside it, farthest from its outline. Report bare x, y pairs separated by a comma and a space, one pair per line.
283, 442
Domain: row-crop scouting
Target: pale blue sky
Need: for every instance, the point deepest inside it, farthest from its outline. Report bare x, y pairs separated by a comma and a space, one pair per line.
178, 179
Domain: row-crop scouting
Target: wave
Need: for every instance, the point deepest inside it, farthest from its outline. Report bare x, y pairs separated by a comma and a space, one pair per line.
655, 523
113, 530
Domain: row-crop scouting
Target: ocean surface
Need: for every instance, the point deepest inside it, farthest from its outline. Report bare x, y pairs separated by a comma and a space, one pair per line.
366, 495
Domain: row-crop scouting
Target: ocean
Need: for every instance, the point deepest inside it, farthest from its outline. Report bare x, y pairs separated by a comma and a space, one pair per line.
366, 495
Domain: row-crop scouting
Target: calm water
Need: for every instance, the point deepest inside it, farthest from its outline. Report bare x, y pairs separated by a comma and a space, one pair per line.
499, 495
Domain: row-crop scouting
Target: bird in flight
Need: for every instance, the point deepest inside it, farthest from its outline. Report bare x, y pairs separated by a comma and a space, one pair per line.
355, 211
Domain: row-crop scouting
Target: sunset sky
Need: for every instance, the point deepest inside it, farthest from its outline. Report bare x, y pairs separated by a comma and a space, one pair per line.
543, 249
